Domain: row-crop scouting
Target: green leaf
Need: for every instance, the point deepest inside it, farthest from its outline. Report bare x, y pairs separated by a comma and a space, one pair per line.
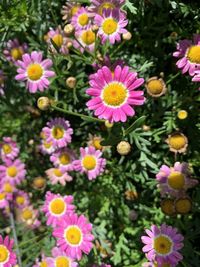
136, 124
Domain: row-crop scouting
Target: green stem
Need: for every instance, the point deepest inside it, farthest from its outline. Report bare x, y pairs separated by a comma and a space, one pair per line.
52, 13
173, 78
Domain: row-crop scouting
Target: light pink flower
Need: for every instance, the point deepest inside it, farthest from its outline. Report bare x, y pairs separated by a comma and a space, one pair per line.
44, 261
8, 256
57, 175
29, 216
63, 158
21, 199
86, 40
61, 259
81, 19
3, 200
8, 149
97, 6
14, 50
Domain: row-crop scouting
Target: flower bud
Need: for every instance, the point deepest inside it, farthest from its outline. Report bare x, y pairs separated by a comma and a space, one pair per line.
146, 128
182, 114
69, 45
39, 183
95, 28
71, 82
8, 230
127, 36
69, 29
43, 103
123, 148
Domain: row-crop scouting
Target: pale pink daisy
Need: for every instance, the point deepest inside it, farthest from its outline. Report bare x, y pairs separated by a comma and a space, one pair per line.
163, 244
189, 53
46, 147
82, 19
97, 6
8, 188
74, 236
7, 255
8, 149
14, 50
113, 93
86, 40
29, 216
35, 71
2, 79
111, 24
174, 180
56, 207
59, 132
69, 9
60, 259
90, 162
63, 158
57, 175
43, 262
13, 171
3, 200
21, 199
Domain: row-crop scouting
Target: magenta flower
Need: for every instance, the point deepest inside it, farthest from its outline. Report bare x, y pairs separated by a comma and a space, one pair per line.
35, 71
63, 158
60, 259
111, 24
57, 207
21, 199
81, 19
90, 162
163, 244
7, 255
8, 149
14, 50
57, 175
114, 94
74, 236
97, 6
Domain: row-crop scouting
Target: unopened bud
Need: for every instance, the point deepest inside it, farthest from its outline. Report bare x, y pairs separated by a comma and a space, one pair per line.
39, 183
71, 82
95, 28
108, 124
123, 148
146, 128
69, 29
8, 230
127, 36
43, 103
31, 142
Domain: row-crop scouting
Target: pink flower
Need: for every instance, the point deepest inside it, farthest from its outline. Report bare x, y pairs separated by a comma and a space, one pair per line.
14, 50
44, 262
57, 207
90, 162
29, 216
99, 5
21, 199
86, 40
3, 200
8, 149
35, 71
57, 175
61, 259
7, 255
113, 94
81, 19
74, 236
63, 158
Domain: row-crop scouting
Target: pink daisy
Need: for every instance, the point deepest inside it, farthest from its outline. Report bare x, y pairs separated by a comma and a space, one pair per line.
29, 216
58, 132
111, 24
74, 236
8, 149
61, 259
57, 207
21, 199
13, 171
46, 148
63, 158
7, 255
8, 188
114, 93
43, 262
81, 19
2, 78
69, 9
189, 53
163, 244
3, 200
90, 162
57, 175
175, 180
97, 6
14, 50
154, 264
86, 40
35, 71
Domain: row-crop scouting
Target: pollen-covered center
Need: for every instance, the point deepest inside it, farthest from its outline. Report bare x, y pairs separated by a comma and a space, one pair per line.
7, 149
39, 182
105, 5
57, 206
47, 145
62, 261
34, 72
43, 264
27, 214
177, 141
2, 196
193, 54
74, 9
73, 235
183, 205
64, 159
4, 254
109, 26
88, 37
162, 245
8, 188
57, 172
58, 40
83, 19
96, 143
20, 200
176, 180
167, 206
89, 162
114, 94
16, 53
58, 132
155, 87
12, 171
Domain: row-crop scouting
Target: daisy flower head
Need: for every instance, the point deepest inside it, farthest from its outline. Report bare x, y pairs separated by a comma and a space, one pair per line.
86, 40
176, 179
188, 52
162, 244
82, 19
2, 78
43, 262
35, 71
63, 158
3, 200
21, 199
69, 10
46, 148
113, 93
8, 149
57, 207
57, 175
60, 259
13, 171
97, 6
7, 188
177, 142
111, 25
14, 50
29, 216
74, 236
59, 132
95, 141
39, 183
7, 255
156, 87
90, 162
183, 205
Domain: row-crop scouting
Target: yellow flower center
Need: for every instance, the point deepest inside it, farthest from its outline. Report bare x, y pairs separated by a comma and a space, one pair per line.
57, 172
167, 206
183, 205
57, 206
2, 196
34, 71
62, 261
162, 265
7, 187
193, 54
162, 245
20, 200
177, 141
176, 180
39, 182
96, 143
7, 149
88, 37
64, 159
58, 40
16, 53
89, 162
109, 26
105, 5
74, 9
155, 87
27, 214
114, 94
73, 235
43, 264
12, 171
4, 254
58, 132
83, 19
182, 114
47, 145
